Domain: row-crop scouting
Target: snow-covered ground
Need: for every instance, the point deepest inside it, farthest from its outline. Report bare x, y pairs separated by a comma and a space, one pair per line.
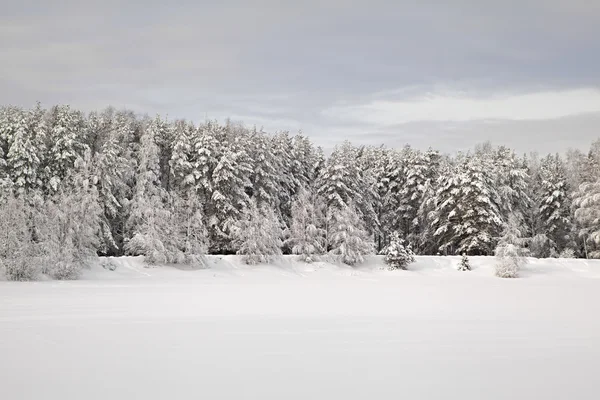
299, 331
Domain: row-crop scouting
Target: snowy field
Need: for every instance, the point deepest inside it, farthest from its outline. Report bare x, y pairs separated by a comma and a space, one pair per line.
298, 331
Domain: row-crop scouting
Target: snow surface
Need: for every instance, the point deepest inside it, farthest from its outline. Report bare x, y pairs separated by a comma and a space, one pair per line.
305, 331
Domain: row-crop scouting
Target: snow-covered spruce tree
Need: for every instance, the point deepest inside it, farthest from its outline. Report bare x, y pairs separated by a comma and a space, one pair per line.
342, 182
397, 255
348, 238
511, 251
289, 177
306, 237
149, 217
587, 215
554, 211
24, 157
265, 178
258, 235
467, 216
512, 182
182, 157
416, 169
65, 143
229, 196
464, 264
112, 171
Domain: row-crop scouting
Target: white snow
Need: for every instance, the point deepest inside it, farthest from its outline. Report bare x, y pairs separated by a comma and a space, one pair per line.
305, 331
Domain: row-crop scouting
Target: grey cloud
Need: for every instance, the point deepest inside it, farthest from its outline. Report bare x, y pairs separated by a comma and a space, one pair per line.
276, 62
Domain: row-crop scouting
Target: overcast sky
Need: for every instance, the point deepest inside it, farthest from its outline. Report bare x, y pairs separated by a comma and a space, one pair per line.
448, 74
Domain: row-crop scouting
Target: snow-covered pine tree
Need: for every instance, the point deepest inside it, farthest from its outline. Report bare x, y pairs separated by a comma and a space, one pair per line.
339, 182
5, 117
164, 137
265, 179
229, 197
511, 252
397, 254
554, 211
25, 135
287, 179
65, 143
368, 161
425, 243
512, 183
468, 217
464, 264
258, 235
417, 171
149, 219
306, 236
348, 239
182, 157
587, 215
389, 186
111, 168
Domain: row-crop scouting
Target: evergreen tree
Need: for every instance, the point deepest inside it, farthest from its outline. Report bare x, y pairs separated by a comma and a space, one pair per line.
464, 264
111, 168
512, 182
349, 240
554, 211
468, 216
24, 137
587, 215
397, 255
149, 217
258, 235
264, 179
65, 143
229, 196
182, 157
306, 237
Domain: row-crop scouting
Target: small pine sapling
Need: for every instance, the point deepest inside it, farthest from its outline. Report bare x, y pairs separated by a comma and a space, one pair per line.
464, 264
397, 255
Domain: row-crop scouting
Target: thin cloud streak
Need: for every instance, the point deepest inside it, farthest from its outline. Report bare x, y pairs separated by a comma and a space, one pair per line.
462, 107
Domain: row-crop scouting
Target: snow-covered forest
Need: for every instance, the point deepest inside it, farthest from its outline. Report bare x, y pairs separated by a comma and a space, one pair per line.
76, 186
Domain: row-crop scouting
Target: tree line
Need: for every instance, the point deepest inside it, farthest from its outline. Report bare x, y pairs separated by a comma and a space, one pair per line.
74, 186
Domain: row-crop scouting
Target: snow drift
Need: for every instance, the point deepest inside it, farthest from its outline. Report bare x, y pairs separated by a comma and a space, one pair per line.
297, 331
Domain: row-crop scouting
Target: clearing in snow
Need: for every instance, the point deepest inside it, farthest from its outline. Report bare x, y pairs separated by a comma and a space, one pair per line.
305, 331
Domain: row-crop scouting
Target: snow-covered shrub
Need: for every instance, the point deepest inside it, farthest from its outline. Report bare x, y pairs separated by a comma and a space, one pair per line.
108, 264
567, 253
19, 268
510, 252
397, 255
509, 261
258, 235
349, 240
541, 246
305, 237
464, 264
16, 247
66, 270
